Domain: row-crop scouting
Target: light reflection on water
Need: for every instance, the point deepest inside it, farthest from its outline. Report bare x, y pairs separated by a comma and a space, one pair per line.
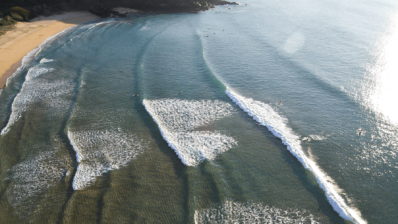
378, 93
380, 88
259, 172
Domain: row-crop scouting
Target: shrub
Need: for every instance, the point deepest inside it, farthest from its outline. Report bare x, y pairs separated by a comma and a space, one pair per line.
19, 13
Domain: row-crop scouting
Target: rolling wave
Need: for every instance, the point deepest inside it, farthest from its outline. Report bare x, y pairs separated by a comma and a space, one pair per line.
266, 116
36, 89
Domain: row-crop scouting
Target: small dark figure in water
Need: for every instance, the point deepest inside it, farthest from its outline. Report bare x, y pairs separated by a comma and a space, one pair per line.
135, 94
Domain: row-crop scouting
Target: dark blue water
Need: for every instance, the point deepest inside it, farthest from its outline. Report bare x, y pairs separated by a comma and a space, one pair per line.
264, 112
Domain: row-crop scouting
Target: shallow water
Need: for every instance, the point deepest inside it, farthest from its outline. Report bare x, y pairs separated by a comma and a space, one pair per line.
262, 112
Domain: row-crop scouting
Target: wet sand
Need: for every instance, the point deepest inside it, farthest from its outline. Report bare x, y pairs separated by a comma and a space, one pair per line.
26, 36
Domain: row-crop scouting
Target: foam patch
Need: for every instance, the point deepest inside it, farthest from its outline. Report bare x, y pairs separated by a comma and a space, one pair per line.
101, 151
184, 115
195, 147
37, 71
178, 118
46, 60
36, 89
32, 177
235, 212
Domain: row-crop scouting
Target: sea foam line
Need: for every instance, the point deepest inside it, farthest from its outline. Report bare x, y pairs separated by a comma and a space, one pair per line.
34, 89
33, 53
25, 61
266, 116
79, 156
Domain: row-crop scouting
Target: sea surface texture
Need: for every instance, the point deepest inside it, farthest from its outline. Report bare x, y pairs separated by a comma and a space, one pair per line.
262, 112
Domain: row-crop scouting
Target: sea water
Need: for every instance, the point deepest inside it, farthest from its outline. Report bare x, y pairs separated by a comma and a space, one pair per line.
261, 112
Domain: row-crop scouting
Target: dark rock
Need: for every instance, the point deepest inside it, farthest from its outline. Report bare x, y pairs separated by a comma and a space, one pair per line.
64, 6
221, 2
99, 10
103, 8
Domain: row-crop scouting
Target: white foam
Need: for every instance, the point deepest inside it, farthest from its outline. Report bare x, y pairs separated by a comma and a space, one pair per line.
308, 139
32, 177
46, 60
317, 137
101, 151
146, 26
34, 89
108, 21
194, 147
313, 137
86, 174
50, 40
177, 119
25, 60
183, 115
266, 116
37, 71
33, 53
235, 212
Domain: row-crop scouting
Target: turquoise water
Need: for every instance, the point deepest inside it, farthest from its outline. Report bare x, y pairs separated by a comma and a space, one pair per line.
262, 112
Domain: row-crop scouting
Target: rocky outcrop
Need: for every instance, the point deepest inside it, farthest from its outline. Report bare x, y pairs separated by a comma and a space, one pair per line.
104, 8
24, 10
19, 14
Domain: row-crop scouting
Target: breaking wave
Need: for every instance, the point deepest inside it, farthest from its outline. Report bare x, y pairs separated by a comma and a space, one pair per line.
267, 116
36, 89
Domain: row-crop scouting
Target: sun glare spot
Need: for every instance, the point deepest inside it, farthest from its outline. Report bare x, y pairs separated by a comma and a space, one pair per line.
380, 91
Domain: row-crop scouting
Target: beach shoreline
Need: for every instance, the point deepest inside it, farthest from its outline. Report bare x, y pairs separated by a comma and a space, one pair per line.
26, 36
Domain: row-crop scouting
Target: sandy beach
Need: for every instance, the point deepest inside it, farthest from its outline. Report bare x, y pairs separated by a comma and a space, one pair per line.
26, 36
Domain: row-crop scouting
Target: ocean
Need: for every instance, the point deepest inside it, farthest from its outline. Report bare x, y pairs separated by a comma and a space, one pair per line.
262, 112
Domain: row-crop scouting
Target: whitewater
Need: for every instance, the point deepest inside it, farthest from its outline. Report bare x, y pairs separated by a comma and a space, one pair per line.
261, 112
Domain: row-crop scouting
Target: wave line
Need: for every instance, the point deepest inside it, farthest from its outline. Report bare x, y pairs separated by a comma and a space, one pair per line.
268, 117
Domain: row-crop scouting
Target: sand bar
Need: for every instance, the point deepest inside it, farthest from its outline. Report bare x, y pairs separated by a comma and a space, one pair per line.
26, 36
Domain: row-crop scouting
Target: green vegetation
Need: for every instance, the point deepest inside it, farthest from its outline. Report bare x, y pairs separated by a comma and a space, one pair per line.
8, 20
19, 13
6, 24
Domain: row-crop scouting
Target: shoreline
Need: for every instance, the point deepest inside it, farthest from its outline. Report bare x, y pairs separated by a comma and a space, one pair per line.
26, 36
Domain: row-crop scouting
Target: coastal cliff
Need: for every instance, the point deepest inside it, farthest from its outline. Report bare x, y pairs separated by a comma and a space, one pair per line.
12, 11
23, 10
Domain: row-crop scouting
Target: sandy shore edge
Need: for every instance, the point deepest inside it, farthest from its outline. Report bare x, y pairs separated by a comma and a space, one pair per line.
26, 36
